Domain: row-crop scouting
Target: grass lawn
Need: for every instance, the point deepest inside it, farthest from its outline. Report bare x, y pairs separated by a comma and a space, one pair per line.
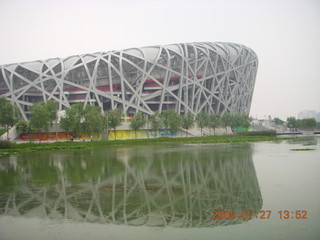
58, 146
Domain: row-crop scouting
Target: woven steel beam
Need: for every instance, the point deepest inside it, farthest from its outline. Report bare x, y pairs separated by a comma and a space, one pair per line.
185, 77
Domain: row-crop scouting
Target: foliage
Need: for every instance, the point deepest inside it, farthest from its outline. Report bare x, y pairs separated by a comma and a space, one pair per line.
22, 126
227, 120
66, 146
171, 119
245, 120
302, 149
9, 114
40, 119
78, 113
137, 122
114, 119
187, 121
270, 133
5, 144
68, 120
51, 108
93, 122
307, 123
214, 121
278, 121
165, 117
291, 122
155, 121
80, 118
42, 115
202, 120
2, 131
174, 122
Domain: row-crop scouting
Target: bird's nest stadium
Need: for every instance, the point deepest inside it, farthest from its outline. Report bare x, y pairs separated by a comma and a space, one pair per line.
187, 77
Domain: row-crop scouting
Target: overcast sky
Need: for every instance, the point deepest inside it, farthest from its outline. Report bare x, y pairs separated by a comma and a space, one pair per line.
285, 34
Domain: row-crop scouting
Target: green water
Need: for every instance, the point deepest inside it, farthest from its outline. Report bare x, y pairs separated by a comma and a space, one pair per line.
164, 192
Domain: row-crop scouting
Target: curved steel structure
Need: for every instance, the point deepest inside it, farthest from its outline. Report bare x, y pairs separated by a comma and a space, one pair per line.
186, 77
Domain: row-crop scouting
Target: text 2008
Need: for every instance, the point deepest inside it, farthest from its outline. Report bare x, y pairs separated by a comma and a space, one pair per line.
263, 214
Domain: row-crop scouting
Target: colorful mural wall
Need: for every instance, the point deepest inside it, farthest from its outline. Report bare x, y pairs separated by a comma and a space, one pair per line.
130, 134
62, 136
120, 134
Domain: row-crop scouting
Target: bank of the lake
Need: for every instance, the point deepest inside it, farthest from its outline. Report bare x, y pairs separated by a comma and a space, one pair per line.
74, 145
172, 191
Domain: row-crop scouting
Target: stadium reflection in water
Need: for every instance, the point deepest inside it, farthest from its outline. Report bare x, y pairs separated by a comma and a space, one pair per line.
176, 186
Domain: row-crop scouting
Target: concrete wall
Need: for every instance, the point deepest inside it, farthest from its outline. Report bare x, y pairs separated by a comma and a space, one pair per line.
13, 134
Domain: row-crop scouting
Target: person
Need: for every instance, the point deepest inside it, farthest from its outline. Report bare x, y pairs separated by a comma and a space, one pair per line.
91, 138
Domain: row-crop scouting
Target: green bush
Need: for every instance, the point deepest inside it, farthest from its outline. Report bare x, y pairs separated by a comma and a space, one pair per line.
2, 131
5, 144
270, 133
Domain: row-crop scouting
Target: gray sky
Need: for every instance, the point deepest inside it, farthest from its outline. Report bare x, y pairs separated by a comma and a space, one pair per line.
285, 34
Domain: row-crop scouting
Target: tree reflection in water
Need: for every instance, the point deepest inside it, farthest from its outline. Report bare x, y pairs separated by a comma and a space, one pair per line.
139, 185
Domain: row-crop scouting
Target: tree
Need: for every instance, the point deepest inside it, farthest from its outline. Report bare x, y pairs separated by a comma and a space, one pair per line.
311, 123
40, 119
52, 114
214, 121
114, 119
165, 117
278, 121
155, 121
22, 126
235, 121
308, 123
51, 108
67, 121
93, 122
246, 121
187, 121
239, 120
42, 116
202, 120
80, 118
171, 119
291, 122
226, 120
9, 114
137, 122
25, 127
78, 112
174, 122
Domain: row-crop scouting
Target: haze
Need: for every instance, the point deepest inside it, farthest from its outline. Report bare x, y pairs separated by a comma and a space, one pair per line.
285, 34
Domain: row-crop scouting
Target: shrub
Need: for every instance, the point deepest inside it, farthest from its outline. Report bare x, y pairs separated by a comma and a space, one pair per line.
270, 133
5, 144
2, 131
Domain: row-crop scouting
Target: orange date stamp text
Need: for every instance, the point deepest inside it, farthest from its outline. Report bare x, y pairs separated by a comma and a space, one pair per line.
263, 214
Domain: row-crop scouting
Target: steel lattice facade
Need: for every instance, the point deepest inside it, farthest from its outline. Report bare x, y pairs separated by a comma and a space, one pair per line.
186, 77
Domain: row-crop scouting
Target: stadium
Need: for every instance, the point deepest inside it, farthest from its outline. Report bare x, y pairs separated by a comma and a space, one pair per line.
187, 77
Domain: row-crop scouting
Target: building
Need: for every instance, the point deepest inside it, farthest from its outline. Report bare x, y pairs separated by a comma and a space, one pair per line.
186, 77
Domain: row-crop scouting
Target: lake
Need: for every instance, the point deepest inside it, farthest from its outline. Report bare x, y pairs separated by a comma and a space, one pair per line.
263, 190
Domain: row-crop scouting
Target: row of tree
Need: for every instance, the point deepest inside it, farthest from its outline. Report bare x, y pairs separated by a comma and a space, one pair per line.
80, 118
171, 120
306, 123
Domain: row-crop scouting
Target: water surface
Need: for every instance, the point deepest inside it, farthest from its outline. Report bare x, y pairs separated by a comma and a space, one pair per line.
161, 192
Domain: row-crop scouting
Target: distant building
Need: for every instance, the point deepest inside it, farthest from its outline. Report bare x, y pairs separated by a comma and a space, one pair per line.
186, 77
